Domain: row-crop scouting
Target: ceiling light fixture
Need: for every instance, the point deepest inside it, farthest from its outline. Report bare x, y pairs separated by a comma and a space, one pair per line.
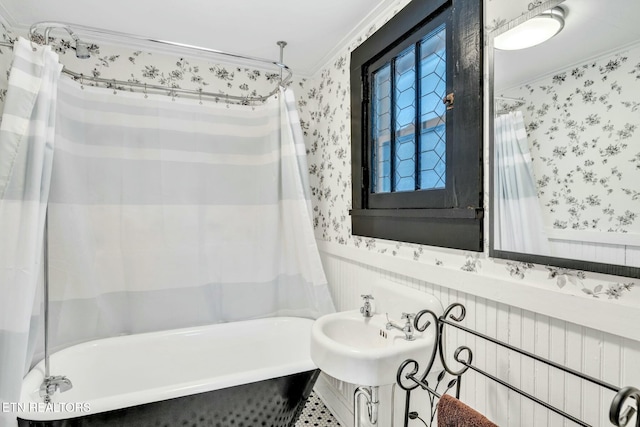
532, 32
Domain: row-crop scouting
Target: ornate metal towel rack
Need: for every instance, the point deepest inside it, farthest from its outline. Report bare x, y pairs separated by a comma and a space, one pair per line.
409, 377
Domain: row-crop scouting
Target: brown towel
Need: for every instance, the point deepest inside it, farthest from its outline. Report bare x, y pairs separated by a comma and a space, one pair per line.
453, 413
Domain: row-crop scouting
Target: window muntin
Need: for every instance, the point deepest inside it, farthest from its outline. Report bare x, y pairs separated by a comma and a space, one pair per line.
408, 89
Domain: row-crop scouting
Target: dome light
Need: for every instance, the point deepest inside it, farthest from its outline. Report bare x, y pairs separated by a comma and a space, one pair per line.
532, 32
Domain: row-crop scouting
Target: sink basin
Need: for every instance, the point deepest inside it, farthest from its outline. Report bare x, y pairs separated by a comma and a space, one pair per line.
360, 350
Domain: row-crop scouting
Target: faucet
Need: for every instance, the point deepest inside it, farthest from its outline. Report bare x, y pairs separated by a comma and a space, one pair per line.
407, 328
366, 307
52, 384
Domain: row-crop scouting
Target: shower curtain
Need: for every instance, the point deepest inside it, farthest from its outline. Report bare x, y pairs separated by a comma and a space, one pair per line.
26, 151
519, 225
168, 213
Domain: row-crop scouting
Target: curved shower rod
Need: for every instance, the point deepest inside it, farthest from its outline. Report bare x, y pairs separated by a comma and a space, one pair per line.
83, 52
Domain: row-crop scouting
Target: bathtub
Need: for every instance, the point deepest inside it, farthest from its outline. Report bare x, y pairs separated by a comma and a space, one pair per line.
247, 373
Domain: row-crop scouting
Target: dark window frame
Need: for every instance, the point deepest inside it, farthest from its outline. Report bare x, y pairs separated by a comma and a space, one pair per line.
452, 217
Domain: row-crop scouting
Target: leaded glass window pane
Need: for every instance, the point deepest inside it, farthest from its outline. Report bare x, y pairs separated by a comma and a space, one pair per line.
405, 121
406, 155
381, 146
433, 87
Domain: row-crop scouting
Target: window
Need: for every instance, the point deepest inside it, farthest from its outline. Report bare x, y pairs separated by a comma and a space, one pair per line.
408, 132
416, 128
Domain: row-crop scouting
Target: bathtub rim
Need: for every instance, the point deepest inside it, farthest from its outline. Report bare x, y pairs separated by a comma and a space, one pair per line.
34, 377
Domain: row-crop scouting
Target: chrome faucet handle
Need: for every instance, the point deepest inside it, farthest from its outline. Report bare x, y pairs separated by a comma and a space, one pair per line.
366, 307
64, 384
409, 318
408, 328
52, 384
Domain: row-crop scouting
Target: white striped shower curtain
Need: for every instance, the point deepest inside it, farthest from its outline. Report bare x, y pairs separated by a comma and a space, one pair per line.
161, 214
168, 213
26, 151
519, 225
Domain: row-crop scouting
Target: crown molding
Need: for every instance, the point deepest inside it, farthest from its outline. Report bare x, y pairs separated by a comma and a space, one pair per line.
6, 18
383, 8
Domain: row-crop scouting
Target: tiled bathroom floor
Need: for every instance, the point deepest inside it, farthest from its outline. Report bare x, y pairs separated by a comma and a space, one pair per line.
315, 414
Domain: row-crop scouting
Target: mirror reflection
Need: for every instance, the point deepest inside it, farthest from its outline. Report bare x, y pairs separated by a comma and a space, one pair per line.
567, 138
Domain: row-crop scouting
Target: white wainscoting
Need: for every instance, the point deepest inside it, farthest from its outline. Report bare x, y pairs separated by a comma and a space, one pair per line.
600, 354
608, 248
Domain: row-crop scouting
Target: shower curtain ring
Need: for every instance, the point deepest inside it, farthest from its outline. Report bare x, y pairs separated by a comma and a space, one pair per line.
200, 95
33, 43
115, 92
82, 81
145, 91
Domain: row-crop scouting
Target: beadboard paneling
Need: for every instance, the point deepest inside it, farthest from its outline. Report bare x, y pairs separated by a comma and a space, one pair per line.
596, 252
600, 354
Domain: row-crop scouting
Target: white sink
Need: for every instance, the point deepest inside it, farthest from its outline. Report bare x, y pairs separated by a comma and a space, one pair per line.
360, 350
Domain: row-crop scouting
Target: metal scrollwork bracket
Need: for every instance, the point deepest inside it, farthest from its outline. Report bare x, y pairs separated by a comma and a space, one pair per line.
409, 376
617, 415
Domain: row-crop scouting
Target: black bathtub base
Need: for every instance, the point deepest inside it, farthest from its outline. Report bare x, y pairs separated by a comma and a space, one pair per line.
276, 402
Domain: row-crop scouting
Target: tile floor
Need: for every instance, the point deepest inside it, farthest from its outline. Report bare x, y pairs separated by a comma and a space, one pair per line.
315, 414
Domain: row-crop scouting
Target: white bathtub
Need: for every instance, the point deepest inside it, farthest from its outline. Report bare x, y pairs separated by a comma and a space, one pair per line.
133, 370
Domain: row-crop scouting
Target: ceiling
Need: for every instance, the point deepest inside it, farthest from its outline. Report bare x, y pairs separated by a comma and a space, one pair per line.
312, 29
316, 30
592, 28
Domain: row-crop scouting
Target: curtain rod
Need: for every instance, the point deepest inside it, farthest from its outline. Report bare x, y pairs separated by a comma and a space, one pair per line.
114, 83
50, 25
519, 102
506, 98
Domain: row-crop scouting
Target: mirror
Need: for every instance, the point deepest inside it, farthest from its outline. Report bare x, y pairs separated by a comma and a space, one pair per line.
565, 141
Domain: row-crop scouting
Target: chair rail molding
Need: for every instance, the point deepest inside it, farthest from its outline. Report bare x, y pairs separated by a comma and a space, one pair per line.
614, 318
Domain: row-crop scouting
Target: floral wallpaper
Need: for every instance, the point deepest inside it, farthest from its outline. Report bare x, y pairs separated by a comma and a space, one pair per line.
582, 123
5, 61
323, 102
324, 106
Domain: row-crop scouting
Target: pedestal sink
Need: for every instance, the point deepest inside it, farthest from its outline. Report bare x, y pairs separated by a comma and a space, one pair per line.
360, 350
